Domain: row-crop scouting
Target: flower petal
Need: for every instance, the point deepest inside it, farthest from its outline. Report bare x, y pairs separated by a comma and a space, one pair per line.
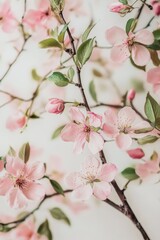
101, 190
33, 191
96, 142
76, 115
34, 171
73, 180
120, 53
5, 185
126, 117
108, 172
145, 37
140, 55
16, 198
82, 193
91, 166
14, 166
95, 120
69, 132
116, 35
79, 143
123, 141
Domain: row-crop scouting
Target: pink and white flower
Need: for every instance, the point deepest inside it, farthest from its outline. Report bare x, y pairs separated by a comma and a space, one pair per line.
94, 178
19, 183
122, 125
153, 77
133, 44
8, 21
16, 121
84, 130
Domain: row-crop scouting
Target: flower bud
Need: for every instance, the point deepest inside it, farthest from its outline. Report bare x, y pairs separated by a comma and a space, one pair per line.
131, 94
16, 121
55, 105
117, 7
156, 7
136, 153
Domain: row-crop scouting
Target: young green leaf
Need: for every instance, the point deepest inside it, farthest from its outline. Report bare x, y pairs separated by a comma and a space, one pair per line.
49, 43
59, 79
131, 24
84, 51
62, 34
57, 187
129, 173
58, 214
87, 32
143, 130
125, 2
57, 132
156, 34
11, 152
147, 139
35, 75
24, 152
71, 74
44, 229
93, 91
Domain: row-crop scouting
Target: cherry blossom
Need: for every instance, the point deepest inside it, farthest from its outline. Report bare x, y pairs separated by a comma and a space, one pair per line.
94, 178
133, 44
153, 77
16, 121
8, 21
84, 130
122, 126
19, 183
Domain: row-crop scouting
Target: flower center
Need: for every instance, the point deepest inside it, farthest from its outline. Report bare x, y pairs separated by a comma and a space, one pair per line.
20, 182
87, 129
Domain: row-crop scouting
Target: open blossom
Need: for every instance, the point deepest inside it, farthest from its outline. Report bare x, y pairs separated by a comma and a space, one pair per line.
84, 130
94, 178
55, 105
7, 20
132, 45
144, 170
122, 126
156, 6
153, 77
19, 183
16, 121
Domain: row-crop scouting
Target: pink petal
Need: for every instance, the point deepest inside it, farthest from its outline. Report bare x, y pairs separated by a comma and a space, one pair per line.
16, 198
76, 115
108, 172
111, 116
82, 193
110, 130
123, 141
101, 190
126, 116
91, 166
95, 120
5, 185
80, 143
110, 127
153, 75
34, 171
96, 142
69, 132
116, 35
140, 55
14, 166
145, 37
120, 53
136, 153
73, 180
33, 191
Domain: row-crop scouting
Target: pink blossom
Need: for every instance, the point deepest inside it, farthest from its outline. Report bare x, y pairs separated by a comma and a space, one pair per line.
84, 130
19, 183
7, 20
144, 170
153, 77
131, 94
117, 7
122, 126
136, 153
94, 178
16, 121
156, 6
1, 165
55, 105
132, 45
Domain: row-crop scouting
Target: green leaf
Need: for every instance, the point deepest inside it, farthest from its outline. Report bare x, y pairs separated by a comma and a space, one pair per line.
93, 91
125, 2
49, 43
35, 75
155, 45
154, 156
59, 79
87, 32
5, 228
84, 51
24, 152
58, 214
71, 74
147, 139
57, 132
62, 34
97, 73
131, 24
152, 111
11, 152
44, 229
57, 187
143, 130
129, 173
57, 5
156, 34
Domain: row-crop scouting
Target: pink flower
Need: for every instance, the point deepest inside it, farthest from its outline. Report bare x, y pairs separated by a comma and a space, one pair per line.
7, 19
55, 105
153, 77
144, 170
94, 178
122, 126
84, 130
117, 7
1, 165
16, 121
131, 94
136, 153
19, 183
156, 6
132, 45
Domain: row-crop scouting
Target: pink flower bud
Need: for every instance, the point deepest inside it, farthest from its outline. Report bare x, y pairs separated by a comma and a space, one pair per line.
117, 7
131, 94
55, 105
156, 7
16, 121
136, 153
